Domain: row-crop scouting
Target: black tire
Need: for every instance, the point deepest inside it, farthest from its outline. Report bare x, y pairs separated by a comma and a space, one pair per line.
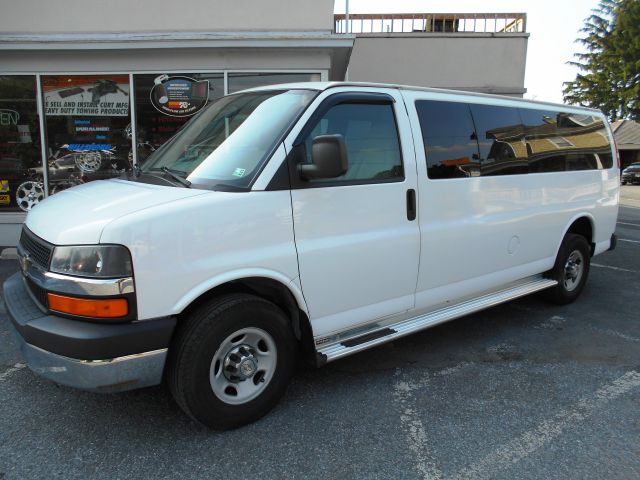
197, 343
573, 250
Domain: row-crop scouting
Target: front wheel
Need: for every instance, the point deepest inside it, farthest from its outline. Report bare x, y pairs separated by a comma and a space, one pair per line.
231, 361
570, 270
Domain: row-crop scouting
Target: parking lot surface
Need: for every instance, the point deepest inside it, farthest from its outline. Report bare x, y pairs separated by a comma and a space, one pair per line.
525, 390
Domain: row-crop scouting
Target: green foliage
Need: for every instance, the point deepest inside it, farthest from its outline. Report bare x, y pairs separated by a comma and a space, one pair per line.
610, 67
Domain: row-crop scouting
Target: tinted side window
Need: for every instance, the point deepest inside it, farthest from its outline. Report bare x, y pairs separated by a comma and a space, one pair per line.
500, 140
545, 145
590, 149
606, 160
449, 139
496, 140
371, 136
559, 141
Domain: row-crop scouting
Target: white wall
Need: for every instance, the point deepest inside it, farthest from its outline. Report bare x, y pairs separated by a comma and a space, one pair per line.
75, 61
480, 62
72, 16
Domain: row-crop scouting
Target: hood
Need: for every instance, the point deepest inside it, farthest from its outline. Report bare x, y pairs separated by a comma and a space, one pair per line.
79, 214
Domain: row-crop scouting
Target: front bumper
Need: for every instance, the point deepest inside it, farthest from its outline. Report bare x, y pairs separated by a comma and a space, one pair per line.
90, 356
630, 178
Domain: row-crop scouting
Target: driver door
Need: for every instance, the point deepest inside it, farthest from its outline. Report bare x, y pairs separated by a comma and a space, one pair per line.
357, 235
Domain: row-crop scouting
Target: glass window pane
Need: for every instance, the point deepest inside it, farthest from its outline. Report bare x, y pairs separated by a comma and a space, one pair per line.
558, 141
581, 161
371, 138
21, 185
242, 81
449, 139
606, 160
543, 141
88, 128
588, 139
165, 102
226, 145
500, 140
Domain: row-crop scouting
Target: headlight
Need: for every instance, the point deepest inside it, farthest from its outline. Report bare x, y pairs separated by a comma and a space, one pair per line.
102, 261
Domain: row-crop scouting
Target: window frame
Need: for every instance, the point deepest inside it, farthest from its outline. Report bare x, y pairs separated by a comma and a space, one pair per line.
298, 152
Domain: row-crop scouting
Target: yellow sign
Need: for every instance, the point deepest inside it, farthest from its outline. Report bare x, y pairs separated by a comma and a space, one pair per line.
5, 199
4, 186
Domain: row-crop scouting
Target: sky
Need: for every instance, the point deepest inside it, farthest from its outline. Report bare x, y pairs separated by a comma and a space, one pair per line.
553, 26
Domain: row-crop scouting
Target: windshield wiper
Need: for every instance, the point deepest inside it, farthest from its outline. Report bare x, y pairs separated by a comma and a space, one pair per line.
176, 177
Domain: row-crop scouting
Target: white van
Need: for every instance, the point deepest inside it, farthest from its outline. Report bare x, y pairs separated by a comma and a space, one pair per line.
308, 220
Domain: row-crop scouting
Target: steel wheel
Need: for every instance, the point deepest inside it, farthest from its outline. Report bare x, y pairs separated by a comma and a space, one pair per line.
231, 360
243, 365
28, 194
573, 270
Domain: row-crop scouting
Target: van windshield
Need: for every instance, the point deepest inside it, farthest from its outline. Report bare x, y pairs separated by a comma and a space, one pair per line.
225, 146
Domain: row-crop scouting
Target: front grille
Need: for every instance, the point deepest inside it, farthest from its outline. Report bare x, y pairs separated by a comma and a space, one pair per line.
38, 293
39, 251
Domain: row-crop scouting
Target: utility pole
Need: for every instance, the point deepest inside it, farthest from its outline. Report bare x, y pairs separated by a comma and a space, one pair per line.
346, 17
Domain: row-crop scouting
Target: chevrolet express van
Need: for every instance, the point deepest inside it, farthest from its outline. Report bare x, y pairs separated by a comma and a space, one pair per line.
309, 221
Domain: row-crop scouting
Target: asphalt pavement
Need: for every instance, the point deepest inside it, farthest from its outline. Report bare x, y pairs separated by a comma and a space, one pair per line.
525, 390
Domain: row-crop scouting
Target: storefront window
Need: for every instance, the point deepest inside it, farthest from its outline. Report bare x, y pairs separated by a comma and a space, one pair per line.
242, 81
165, 102
20, 166
87, 119
88, 128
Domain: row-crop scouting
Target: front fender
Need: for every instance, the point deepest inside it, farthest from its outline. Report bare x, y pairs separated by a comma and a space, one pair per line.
202, 288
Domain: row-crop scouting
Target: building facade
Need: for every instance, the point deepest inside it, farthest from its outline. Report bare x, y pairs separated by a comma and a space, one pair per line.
88, 91
477, 52
627, 135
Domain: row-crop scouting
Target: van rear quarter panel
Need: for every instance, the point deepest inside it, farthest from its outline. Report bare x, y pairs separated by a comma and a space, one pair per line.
482, 232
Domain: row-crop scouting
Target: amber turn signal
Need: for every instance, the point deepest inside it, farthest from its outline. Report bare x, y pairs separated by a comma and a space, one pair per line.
83, 307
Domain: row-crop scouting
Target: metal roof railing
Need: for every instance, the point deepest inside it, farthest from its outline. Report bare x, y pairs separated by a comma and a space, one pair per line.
431, 23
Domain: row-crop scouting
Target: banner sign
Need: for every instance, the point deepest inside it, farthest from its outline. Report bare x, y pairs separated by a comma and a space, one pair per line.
86, 95
179, 96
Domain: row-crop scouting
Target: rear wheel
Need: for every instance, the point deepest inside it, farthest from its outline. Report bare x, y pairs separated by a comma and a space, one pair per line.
570, 270
231, 361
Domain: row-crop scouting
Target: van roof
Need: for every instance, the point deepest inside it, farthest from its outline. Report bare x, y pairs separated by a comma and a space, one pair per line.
321, 86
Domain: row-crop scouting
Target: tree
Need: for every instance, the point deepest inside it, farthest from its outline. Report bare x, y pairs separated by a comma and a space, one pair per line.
610, 66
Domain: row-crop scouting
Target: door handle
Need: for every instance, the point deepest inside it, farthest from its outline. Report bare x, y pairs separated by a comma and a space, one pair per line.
411, 204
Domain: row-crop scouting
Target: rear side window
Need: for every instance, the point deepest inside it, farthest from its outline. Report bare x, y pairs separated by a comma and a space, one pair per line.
508, 141
546, 147
449, 139
560, 141
499, 133
371, 137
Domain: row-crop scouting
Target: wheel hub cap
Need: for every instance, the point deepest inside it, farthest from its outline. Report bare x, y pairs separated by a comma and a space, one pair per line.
248, 368
573, 270
240, 363
243, 365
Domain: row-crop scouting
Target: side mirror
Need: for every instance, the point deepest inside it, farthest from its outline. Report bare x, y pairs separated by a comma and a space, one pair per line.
329, 156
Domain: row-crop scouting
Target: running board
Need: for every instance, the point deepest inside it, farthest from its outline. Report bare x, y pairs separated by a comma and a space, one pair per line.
379, 335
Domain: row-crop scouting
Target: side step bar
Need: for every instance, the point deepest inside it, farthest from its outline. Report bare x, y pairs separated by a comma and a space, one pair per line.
379, 335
